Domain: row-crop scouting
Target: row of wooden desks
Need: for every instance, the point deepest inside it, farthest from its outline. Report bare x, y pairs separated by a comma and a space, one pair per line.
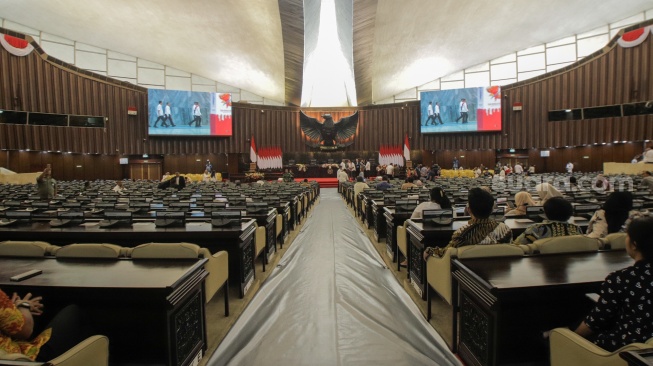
501, 306
238, 241
421, 237
151, 310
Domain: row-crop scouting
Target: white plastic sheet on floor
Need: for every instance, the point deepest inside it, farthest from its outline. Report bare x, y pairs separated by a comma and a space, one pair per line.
332, 301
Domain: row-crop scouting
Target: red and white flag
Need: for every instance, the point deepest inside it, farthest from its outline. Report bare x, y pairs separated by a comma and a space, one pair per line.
406, 148
253, 156
15, 45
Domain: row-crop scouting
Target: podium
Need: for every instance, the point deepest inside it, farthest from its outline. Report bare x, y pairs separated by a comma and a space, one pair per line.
252, 167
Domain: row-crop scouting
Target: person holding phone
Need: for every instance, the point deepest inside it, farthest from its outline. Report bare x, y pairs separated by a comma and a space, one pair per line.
46, 185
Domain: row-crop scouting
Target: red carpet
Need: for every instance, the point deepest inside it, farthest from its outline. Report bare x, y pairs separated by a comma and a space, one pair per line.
324, 182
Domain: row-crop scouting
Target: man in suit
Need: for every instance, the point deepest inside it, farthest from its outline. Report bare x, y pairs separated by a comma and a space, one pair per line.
178, 181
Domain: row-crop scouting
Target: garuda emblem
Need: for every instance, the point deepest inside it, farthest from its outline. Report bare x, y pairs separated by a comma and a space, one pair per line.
329, 135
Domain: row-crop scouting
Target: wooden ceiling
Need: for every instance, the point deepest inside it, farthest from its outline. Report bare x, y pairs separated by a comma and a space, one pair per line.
292, 31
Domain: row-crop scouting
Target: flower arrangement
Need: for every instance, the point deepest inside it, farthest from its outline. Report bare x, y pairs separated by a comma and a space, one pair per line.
327, 166
255, 176
301, 167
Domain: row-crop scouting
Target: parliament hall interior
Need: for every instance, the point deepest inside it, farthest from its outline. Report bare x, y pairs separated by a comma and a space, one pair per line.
326, 182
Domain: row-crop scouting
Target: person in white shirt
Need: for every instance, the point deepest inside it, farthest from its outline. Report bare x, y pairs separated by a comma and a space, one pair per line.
390, 170
368, 167
464, 111
342, 176
160, 116
166, 176
436, 113
518, 169
197, 115
168, 115
570, 167
431, 116
647, 156
119, 188
439, 200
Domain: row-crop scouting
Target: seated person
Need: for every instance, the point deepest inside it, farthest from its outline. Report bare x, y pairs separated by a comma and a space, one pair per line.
178, 181
622, 315
601, 184
409, 183
439, 200
166, 176
206, 176
480, 229
359, 186
119, 187
546, 191
614, 217
384, 184
305, 183
557, 210
522, 200
288, 177
17, 325
647, 181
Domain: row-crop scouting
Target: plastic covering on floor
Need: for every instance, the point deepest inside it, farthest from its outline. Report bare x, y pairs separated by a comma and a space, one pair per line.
332, 301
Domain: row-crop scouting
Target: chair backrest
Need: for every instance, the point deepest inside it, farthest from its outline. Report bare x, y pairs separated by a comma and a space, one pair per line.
566, 244
616, 241
165, 251
91, 250
14, 248
492, 250
259, 240
402, 239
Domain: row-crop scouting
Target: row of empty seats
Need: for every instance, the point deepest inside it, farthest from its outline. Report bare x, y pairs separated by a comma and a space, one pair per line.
217, 265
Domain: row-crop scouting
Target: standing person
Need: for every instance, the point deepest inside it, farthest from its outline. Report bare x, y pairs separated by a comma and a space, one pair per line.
436, 113
456, 164
518, 168
390, 170
463, 111
47, 186
431, 116
622, 315
197, 115
168, 115
209, 166
368, 167
160, 116
570, 167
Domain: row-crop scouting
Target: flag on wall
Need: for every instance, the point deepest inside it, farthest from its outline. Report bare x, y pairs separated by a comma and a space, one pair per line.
406, 148
391, 155
253, 156
270, 158
16, 46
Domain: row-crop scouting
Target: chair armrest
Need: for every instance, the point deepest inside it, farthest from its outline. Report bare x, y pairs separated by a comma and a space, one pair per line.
569, 348
93, 350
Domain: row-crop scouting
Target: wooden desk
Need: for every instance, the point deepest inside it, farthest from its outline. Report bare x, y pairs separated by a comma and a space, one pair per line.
642, 357
268, 220
439, 236
392, 220
284, 210
505, 304
379, 220
237, 241
151, 310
